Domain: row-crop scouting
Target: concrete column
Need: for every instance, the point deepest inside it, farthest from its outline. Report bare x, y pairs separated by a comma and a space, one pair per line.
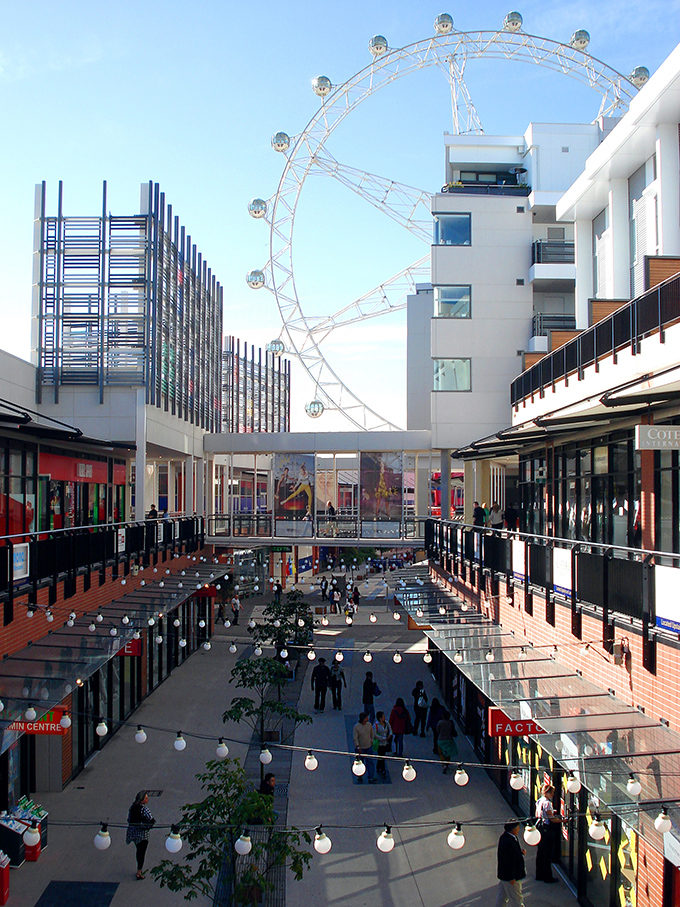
189, 484
210, 484
422, 485
583, 240
200, 487
619, 240
668, 176
140, 455
445, 456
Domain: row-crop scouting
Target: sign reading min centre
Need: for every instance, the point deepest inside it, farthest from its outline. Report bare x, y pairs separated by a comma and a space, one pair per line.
657, 437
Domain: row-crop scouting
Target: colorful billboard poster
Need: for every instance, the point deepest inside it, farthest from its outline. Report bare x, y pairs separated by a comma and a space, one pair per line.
381, 486
293, 486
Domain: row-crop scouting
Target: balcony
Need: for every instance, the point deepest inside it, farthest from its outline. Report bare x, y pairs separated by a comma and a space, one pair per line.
550, 252
476, 188
542, 324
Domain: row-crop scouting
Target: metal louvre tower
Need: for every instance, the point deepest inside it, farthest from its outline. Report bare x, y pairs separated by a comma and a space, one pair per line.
255, 393
128, 300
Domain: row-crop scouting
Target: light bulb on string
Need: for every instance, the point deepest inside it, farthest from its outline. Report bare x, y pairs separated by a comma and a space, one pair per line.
419, 612
456, 838
140, 735
182, 643
597, 830
349, 620
151, 621
489, 656
368, 657
385, 840
222, 750
265, 756
257, 651
442, 610
358, 768
532, 835
311, 654
284, 653
662, 823
99, 618
461, 777
102, 728
516, 781
102, 840
301, 622
32, 834
207, 645
322, 843
201, 624
427, 658
113, 631
458, 657
251, 624
227, 624
179, 742
396, 615
243, 845
65, 721
173, 842
573, 784
277, 624
232, 648
373, 617
408, 773
633, 786
339, 656
31, 713
396, 658
311, 762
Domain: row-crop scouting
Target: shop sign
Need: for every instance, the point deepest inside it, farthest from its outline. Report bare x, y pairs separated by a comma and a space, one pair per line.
281, 548
121, 540
48, 724
562, 579
657, 437
671, 848
20, 561
133, 647
518, 559
500, 725
666, 601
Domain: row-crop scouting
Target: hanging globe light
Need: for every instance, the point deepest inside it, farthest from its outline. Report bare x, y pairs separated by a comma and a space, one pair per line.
662, 823
396, 658
633, 786
532, 835
265, 756
322, 843
408, 773
222, 750
461, 777
385, 841
180, 743
173, 842
358, 768
243, 845
102, 840
597, 829
456, 838
311, 762
516, 781
140, 735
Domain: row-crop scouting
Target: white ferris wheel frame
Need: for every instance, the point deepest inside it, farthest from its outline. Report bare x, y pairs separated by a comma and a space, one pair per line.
306, 152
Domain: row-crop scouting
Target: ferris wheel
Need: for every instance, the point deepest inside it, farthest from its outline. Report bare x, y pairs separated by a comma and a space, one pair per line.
448, 50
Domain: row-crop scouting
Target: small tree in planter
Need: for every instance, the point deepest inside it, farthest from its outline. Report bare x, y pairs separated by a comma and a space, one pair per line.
288, 624
262, 711
210, 865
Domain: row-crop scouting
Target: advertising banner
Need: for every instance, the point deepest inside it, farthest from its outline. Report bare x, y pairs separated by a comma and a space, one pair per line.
666, 581
20, 566
381, 481
294, 494
518, 559
561, 565
500, 725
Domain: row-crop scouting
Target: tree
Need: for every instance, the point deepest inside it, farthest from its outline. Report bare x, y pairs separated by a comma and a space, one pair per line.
285, 624
262, 676
210, 828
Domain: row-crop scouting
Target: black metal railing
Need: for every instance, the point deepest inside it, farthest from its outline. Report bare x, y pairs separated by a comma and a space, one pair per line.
542, 323
545, 251
342, 526
31, 561
649, 314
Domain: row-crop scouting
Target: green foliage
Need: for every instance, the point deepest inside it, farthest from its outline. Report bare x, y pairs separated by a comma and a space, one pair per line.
209, 829
347, 556
287, 613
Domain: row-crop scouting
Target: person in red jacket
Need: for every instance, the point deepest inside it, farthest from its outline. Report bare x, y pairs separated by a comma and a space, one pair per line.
400, 721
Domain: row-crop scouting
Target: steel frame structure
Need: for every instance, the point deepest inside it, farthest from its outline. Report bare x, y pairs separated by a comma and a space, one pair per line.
129, 300
255, 393
307, 153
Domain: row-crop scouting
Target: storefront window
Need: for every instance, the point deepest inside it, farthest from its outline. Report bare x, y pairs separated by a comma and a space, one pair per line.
598, 864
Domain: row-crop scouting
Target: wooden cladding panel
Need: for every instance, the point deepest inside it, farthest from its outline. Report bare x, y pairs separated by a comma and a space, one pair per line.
557, 339
659, 269
599, 309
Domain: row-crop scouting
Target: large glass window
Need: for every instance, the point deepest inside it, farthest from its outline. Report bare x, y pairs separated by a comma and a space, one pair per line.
452, 230
452, 375
453, 302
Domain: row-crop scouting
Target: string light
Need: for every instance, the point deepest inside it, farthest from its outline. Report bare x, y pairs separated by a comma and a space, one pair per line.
419, 612
182, 643
284, 653
489, 656
102, 728
265, 756
532, 835
180, 743
207, 645
516, 781
458, 657
339, 656
662, 823
324, 621
349, 620
456, 838
396, 658
322, 843
408, 773
373, 618
368, 657
385, 841
64, 721
257, 651
311, 655
31, 713
102, 840
358, 768
396, 615
232, 648
427, 658
173, 842
222, 750
311, 762
461, 777
140, 736
243, 845
32, 834
633, 786
597, 829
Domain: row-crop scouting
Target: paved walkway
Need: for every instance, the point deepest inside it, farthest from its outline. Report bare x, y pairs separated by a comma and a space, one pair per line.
421, 870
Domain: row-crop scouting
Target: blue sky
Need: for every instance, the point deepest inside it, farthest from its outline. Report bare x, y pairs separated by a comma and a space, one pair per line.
189, 96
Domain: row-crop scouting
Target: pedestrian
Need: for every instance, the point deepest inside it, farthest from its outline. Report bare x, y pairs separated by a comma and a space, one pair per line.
435, 715
356, 598
495, 516
362, 735
320, 677
478, 515
235, 608
511, 868
153, 513
268, 784
446, 740
382, 740
140, 823
547, 823
400, 721
419, 708
369, 691
278, 591
511, 517
336, 597
323, 585
337, 681
330, 519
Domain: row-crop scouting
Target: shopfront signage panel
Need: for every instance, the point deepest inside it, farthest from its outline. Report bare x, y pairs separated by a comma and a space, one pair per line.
657, 437
518, 559
133, 647
562, 580
20, 561
667, 604
500, 725
48, 724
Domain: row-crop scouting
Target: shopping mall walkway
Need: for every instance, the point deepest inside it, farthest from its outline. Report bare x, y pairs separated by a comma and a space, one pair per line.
421, 870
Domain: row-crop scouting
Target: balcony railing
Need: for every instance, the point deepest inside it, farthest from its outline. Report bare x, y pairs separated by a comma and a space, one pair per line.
543, 323
550, 252
649, 314
470, 188
342, 526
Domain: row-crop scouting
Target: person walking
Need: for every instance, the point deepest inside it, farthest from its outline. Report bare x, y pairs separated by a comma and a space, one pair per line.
547, 823
335, 598
400, 721
356, 598
511, 517
495, 516
323, 585
435, 715
362, 735
369, 691
419, 708
382, 740
140, 822
337, 681
235, 608
446, 740
511, 868
278, 592
320, 677
478, 515
153, 513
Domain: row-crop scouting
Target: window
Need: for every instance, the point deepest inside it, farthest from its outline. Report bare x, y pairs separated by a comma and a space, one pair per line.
452, 375
452, 302
452, 230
